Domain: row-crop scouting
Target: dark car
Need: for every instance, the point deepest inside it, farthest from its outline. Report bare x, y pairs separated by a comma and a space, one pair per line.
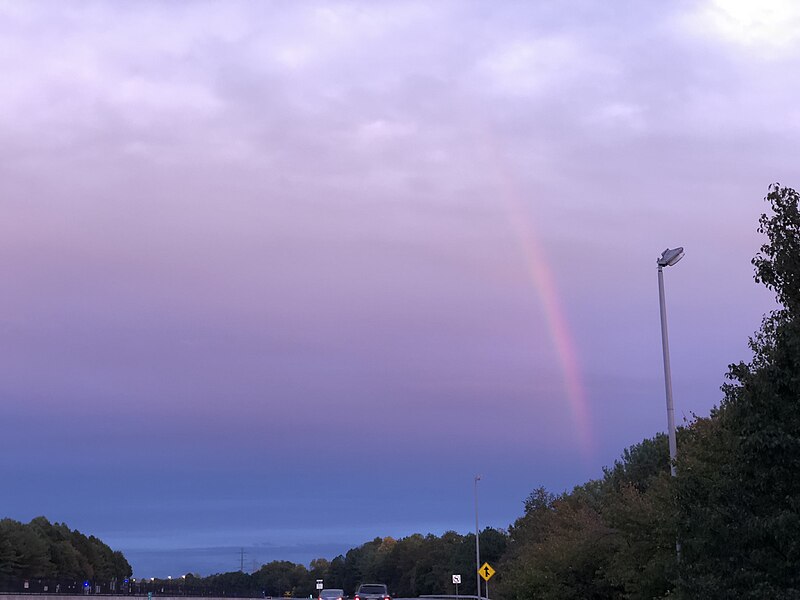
372, 591
331, 594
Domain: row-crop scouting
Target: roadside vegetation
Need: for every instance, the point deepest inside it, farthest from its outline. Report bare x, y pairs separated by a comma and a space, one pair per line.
52, 552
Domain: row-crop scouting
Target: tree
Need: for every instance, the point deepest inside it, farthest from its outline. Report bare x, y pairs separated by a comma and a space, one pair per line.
640, 464
281, 577
336, 573
739, 492
561, 549
32, 555
44, 550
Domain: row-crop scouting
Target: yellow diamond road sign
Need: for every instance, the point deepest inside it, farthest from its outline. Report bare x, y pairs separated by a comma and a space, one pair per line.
486, 571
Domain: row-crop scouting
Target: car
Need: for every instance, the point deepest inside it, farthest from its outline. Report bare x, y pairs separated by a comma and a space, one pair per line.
331, 594
372, 591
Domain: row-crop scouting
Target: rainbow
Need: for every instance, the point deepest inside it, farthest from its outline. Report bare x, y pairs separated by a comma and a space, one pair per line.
558, 327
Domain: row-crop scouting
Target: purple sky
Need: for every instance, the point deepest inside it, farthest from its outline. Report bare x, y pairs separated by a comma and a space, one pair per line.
268, 265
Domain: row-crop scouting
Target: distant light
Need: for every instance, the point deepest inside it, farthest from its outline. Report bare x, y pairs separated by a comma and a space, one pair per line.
85, 584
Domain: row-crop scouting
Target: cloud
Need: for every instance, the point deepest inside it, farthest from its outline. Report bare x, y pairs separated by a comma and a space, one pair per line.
766, 29
538, 66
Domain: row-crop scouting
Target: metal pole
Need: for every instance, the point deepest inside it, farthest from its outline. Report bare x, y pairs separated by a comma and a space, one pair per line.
477, 541
487, 589
673, 446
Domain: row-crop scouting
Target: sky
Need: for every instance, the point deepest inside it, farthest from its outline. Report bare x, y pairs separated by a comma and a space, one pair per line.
286, 276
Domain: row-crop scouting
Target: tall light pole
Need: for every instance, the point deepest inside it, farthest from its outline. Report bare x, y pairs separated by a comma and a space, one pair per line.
668, 259
477, 541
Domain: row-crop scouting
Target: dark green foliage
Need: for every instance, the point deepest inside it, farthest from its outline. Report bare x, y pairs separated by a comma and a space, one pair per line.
640, 464
412, 566
51, 551
643, 563
280, 578
740, 497
560, 549
336, 573
237, 583
612, 538
778, 263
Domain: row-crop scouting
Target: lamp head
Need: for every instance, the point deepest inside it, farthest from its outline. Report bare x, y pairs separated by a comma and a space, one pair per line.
670, 257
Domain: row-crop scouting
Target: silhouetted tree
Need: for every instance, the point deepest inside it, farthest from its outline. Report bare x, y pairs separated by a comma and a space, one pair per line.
740, 490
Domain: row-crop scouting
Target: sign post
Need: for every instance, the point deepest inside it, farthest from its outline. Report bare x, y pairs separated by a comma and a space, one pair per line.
486, 571
319, 584
456, 581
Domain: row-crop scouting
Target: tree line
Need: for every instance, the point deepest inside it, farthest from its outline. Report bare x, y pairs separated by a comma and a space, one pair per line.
412, 566
727, 526
42, 554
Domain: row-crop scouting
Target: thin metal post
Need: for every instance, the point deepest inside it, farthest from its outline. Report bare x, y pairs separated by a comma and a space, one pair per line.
477, 540
673, 446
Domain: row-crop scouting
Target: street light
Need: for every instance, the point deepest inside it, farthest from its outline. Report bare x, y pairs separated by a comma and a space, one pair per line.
668, 259
477, 542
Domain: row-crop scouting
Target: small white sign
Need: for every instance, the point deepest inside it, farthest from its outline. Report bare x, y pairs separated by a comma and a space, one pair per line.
456, 578
319, 584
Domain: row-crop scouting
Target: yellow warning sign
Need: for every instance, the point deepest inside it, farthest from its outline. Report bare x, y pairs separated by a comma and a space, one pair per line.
486, 571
